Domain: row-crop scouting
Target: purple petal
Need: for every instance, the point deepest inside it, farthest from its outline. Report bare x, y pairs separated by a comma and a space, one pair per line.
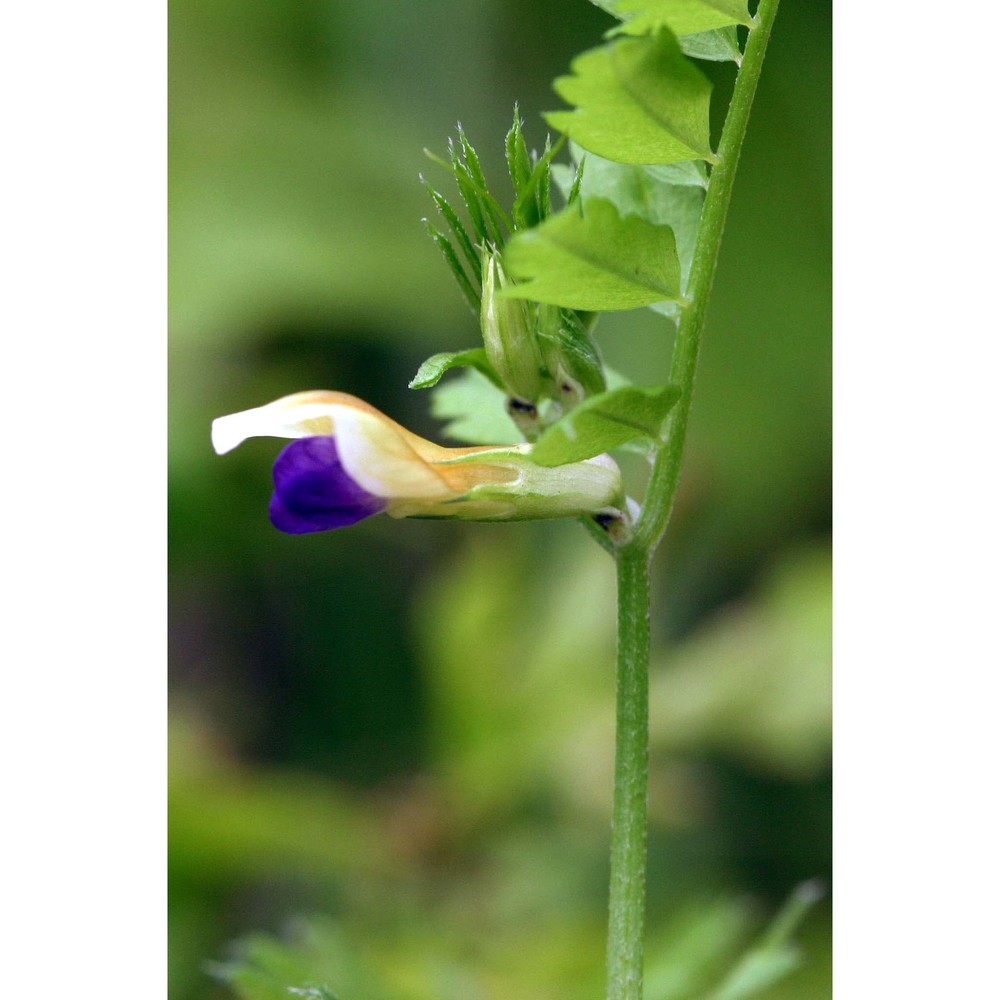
312, 492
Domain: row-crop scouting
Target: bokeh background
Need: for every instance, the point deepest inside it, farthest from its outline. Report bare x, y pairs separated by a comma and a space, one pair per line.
401, 733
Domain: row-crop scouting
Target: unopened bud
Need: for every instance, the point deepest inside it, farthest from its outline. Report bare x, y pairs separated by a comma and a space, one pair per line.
509, 336
570, 356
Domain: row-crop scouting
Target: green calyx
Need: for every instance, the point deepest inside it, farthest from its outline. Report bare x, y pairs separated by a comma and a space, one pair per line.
591, 488
509, 336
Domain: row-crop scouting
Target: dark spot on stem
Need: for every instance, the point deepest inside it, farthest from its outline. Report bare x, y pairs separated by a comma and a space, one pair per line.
515, 405
615, 526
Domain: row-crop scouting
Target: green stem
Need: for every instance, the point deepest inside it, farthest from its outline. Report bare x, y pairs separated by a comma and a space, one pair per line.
666, 468
628, 837
627, 905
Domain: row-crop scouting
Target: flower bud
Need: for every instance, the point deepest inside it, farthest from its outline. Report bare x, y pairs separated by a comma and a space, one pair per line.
570, 355
509, 336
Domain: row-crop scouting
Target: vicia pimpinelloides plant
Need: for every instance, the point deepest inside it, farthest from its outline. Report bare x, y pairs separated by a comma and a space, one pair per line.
634, 220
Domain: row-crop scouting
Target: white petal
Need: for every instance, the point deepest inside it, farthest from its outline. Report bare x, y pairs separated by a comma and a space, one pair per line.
306, 414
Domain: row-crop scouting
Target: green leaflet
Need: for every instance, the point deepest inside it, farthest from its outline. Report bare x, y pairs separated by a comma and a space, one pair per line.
475, 411
594, 261
654, 194
638, 100
318, 955
775, 955
435, 366
690, 173
718, 45
705, 29
683, 17
603, 422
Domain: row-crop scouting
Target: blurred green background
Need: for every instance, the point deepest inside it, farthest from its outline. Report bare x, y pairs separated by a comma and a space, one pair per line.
402, 732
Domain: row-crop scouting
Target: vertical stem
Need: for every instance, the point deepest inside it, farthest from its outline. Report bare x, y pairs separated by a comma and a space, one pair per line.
666, 468
628, 837
627, 907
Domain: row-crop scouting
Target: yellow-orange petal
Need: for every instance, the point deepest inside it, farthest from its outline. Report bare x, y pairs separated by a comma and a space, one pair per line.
379, 455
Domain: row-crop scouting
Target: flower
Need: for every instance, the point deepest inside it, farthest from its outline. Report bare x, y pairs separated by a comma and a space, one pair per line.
348, 461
